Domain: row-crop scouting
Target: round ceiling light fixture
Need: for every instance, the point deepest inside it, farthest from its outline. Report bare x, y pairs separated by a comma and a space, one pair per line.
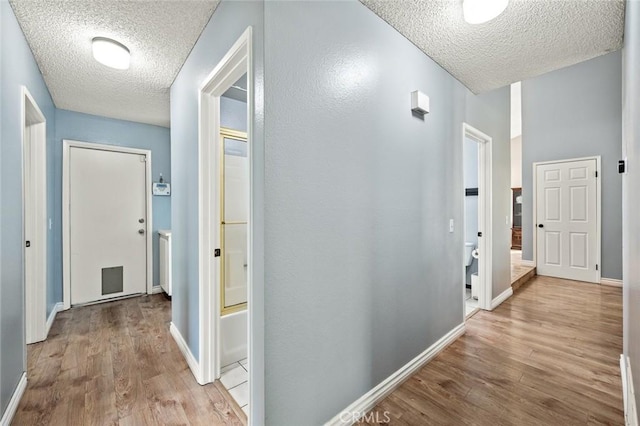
481, 11
111, 53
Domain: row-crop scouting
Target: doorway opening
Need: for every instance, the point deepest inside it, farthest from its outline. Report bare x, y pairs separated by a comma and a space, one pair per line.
567, 219
106, 222
477, 180
225, 149
34, 153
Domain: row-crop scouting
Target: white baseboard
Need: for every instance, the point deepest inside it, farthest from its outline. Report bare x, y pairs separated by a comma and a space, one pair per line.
15, 400
369, 400
530, 263
52, 316
156, 289
611, 282
501, 298
186, 352
628, 393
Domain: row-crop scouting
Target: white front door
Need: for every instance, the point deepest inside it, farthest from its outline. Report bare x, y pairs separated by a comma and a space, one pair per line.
108, 224
566, 215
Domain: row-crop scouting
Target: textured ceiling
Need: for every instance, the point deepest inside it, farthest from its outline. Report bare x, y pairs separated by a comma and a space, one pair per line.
530, 38
159, 34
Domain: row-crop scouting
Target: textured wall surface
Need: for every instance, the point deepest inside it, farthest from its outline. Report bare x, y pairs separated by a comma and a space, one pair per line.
18, 68
572, 113
91, 128
362, 273
528, 39
159, 35
631, 190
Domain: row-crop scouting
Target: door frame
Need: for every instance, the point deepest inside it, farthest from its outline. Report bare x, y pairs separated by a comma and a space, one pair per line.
534, 234
66, 225
236, 62
35, 134
485, 215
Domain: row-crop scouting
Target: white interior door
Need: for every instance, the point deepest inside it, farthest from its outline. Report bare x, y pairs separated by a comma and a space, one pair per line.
107, 223
566, 215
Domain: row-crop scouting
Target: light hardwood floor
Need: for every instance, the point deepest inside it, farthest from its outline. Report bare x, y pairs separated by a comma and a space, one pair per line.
116, 363
549, 355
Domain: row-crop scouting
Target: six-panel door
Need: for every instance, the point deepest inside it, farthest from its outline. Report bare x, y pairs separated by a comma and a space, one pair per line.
566, 228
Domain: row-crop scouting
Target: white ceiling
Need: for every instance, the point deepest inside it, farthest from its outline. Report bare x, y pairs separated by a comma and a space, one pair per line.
159, 34
530, 38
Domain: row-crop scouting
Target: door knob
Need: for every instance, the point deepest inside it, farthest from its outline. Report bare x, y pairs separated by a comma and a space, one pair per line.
541, 226
141, 220
140, 231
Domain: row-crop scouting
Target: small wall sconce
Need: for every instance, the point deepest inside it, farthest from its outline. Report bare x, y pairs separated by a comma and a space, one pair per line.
419, 103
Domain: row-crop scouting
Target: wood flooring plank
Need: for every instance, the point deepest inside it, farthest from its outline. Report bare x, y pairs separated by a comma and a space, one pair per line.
164, 401
546, 356
97, 368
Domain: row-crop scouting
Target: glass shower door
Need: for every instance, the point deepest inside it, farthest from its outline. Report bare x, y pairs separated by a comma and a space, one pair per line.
234, 220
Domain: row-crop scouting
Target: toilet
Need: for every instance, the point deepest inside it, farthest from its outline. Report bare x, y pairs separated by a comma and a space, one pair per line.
468, 250
471, 253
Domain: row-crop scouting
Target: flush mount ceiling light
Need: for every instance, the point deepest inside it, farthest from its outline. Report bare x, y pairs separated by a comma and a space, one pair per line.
111, 53
481, 11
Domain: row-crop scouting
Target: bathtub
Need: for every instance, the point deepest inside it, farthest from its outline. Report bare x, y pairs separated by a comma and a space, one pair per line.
233, 337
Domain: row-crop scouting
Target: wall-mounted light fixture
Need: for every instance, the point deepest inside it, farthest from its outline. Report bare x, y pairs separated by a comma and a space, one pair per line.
419, 102
111, 53
481, 11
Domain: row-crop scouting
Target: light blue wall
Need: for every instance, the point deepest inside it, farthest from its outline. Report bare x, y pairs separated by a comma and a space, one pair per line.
631, 189
233, 114
18, 68
227, 24
92, 128
572, 113
362, 274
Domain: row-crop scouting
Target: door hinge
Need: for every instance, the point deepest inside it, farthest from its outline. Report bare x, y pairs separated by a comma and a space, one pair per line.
596, 266
596, 173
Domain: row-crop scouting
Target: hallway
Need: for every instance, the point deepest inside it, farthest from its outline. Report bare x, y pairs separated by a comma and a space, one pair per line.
548, 355
116, 363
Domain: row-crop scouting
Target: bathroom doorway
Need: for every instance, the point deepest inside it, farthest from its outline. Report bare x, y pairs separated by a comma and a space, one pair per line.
477, 220
225, 148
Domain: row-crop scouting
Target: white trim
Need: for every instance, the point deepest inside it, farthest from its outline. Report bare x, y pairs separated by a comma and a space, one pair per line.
66, 249
529, 263
370, 399
472, 313
628, 393
231, 67
534, 234
501, 298
186, 352
52, 316
156, 289
15, 400
610, 282
485, 214
35, 288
